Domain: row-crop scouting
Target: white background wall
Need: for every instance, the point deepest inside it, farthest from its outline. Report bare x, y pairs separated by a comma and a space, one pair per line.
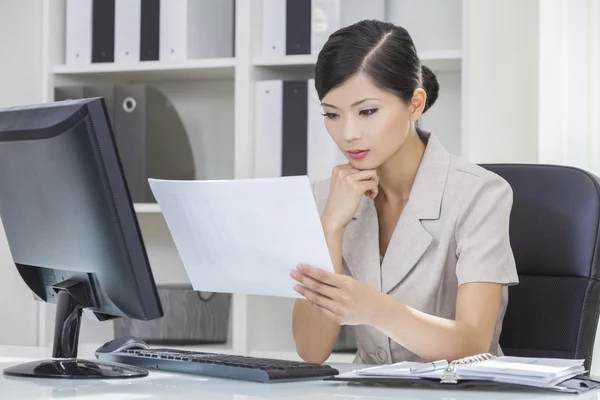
20, 83
569, 89
502, 118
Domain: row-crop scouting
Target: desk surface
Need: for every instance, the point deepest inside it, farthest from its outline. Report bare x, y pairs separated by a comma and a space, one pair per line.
161, 385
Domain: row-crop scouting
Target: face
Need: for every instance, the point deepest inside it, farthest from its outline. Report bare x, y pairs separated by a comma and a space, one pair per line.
368, 124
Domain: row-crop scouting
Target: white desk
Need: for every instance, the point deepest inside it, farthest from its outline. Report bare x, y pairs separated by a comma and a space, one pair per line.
160, 385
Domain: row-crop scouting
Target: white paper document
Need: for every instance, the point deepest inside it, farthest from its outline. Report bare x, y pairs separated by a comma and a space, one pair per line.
246, 235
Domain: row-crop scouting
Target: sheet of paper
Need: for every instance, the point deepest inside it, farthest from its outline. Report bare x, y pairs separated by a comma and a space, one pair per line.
246, 235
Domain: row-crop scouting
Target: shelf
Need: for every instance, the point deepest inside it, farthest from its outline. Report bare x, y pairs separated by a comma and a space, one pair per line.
287, 61
443, 60
152, 70
147, 208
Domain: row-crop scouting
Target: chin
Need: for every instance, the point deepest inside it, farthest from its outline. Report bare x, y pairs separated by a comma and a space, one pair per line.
364, 164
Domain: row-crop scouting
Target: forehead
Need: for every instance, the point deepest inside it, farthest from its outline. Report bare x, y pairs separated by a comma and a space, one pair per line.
355, 88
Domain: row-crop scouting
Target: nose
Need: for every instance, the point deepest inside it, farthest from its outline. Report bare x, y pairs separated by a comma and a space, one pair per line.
351, 131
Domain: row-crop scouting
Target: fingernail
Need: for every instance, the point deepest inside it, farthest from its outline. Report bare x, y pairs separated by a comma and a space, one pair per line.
293, 274
297, 288
299, 267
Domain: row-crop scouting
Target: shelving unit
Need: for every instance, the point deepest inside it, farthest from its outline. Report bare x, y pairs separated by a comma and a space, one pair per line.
216, 99
222, 91
151, 71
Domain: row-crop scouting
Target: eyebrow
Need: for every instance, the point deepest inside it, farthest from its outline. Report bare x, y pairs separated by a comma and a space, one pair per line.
353, 104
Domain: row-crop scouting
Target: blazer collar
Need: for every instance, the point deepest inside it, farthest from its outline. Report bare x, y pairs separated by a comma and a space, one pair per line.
410, 239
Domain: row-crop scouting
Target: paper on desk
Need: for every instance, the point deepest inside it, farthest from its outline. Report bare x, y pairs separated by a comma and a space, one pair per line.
243, 236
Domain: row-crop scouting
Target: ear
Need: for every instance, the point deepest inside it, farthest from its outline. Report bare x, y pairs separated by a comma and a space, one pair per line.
418, 103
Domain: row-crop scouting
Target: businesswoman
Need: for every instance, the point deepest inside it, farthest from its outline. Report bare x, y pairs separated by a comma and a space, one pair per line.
418, 237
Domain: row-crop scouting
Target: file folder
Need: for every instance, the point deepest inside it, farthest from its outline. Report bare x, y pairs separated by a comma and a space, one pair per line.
103, 31
273, 28
137, 24
149, 30
127, 31
150, 136
294, 27
291, 138
78, 32
298, 26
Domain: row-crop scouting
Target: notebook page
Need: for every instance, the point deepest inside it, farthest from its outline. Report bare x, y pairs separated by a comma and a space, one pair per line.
526, 367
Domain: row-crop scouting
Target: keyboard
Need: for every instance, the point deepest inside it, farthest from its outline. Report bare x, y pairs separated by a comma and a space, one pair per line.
220, 365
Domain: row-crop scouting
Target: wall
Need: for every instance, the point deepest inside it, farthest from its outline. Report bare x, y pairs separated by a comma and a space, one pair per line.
502, 91
20, 83
569, 89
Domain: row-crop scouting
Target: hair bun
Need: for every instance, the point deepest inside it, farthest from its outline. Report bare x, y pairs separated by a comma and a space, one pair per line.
430, 85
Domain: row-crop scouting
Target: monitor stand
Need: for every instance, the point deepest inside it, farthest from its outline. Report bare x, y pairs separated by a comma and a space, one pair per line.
64, 364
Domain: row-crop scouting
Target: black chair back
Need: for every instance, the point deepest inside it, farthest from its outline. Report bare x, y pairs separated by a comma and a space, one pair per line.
554, 234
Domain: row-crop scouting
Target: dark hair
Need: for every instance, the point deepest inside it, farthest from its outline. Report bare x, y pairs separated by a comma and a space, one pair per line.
384, 52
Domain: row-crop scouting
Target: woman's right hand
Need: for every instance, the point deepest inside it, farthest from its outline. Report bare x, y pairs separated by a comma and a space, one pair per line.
346, 189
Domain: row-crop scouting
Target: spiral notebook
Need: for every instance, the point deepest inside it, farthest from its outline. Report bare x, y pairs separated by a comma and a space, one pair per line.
479, 370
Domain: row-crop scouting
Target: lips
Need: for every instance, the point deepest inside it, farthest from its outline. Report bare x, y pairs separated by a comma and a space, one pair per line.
358, 154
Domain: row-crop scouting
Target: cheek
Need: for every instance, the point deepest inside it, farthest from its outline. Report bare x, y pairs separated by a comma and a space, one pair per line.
334, 129
388, 131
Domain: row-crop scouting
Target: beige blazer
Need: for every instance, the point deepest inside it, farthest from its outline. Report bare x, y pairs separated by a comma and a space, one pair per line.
453, 230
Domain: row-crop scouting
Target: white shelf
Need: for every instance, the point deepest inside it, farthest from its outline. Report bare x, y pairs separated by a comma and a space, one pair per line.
442, 60
147, 208
287, 61
151, 70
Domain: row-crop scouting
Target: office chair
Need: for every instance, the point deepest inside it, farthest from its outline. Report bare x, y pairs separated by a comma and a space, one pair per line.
554, 233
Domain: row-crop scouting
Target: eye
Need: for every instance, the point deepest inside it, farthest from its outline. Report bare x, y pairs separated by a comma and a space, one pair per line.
368, 112
329, 115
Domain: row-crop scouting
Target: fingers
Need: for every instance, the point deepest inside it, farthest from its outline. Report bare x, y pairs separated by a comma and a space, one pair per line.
316, 298
314, 285
368, 174
369, 188
329, 278
366, 182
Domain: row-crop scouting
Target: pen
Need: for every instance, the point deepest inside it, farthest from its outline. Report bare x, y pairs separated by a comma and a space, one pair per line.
429, 367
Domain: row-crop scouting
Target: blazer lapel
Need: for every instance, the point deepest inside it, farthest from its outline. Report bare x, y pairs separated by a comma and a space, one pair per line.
361, 245
410, 240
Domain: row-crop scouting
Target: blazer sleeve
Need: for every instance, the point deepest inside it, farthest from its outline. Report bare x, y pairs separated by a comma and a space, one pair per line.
482, 235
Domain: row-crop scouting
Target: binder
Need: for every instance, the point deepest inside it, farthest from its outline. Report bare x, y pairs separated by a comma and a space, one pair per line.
78, 32
149, 30
294, 27
127, 31
561, 375
268, 129
103, 31
137, 24
192, 29
295, 128
151, 139
298, 27
62, 93
291, 138
273, 28
150, 136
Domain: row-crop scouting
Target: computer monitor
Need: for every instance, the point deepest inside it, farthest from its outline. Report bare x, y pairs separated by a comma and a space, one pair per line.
71, 227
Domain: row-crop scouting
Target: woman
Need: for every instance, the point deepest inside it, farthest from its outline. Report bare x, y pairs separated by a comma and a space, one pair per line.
418, 238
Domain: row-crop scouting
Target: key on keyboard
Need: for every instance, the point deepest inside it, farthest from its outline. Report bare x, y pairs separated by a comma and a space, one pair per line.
220, 365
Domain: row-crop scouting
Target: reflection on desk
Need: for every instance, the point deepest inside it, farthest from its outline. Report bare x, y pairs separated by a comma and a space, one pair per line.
163, 385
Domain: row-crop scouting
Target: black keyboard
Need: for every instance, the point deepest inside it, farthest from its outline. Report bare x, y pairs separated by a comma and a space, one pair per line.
220, 365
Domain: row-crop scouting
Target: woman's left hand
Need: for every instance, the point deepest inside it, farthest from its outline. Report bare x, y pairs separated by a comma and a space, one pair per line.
342, 298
